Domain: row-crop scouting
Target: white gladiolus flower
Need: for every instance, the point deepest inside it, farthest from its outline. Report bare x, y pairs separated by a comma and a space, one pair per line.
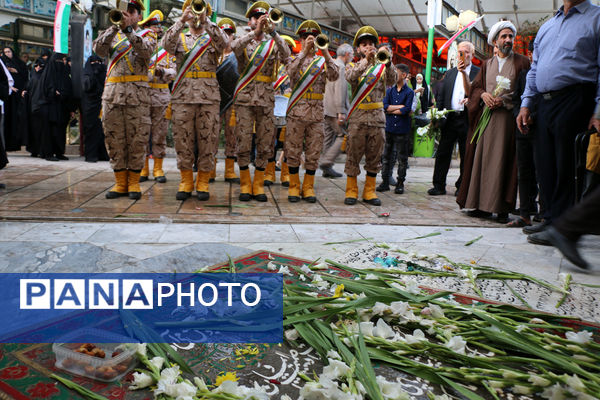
284, 270
379, 308
271, 266
333, 355
141, 380
305, 269
158, 362
366, 328
285, 397
416, 337
383, 330
519, 389
371, 277
436, 311
169, 375
520, 328
177, 390
581, 337
412, 287
422, 131
502, 83
319, 282
391, 390
335, 369
399, 308
457, 344
495, 384
140, 348
582, 357
200, 384
538, 380
291, 334
555, 392
575, 383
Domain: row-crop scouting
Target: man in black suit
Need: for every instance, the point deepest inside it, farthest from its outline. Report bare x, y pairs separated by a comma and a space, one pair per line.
453, 96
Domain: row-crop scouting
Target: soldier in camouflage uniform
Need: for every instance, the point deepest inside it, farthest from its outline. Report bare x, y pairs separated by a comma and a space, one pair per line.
125, 106
195, 101
254, 104
160, 74
366, 131
305, 127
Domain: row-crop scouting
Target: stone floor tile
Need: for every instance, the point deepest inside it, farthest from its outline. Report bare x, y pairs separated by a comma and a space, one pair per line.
196, 233
263, 233
60, 232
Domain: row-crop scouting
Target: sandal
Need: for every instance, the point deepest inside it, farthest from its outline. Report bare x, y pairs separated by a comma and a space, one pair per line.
518, 223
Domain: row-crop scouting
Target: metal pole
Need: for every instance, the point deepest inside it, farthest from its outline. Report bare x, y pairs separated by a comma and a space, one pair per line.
147, 8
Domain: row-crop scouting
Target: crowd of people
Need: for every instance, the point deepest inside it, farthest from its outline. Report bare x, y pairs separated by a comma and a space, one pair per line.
514, 119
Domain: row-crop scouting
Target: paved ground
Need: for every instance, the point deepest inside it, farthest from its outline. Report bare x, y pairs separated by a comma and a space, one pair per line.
74, 190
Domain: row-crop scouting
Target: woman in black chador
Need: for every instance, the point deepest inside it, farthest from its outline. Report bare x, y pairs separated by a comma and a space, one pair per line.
13, 105
57, 91
33, 98
91, 103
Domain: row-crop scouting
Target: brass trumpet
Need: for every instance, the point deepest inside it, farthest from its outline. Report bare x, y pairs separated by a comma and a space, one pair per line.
115, 16
275, 16
383, 56
322, 41
198, 6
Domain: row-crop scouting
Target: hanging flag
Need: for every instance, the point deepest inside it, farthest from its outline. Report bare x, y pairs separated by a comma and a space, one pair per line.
61, 26
458, 34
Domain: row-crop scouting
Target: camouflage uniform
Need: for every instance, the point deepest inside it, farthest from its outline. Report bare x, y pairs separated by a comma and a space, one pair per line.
160, 97
366, 131
195, 102
125, 101
254, 104
305, 121
230, 138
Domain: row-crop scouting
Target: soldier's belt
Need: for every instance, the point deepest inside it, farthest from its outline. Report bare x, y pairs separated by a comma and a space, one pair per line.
370, 106
127, 78
159, 85
313, 96
200, 74
263, 78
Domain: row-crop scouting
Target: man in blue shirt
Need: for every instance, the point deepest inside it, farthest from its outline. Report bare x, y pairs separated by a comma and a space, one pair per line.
397, 104
563, 82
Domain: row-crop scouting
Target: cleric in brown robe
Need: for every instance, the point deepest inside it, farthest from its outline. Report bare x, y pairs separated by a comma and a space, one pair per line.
490, 175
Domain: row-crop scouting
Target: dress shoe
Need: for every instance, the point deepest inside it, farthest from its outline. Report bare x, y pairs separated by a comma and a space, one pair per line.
399, 189
160, 179
329, 172
51, 159
383, 187
261, 197
350, 201
293, 199
528, 230
373, 202
502, 218
567, 247
2, 186
143, 178
436, 192
62, 157
245, 197
540, 238
203, 196
479, 214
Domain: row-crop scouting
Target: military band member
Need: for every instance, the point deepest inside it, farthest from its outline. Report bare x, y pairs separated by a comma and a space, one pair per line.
282, 87
257, 52
228, 73
195, 96
125, 105
161, 72
308, 74
366, 132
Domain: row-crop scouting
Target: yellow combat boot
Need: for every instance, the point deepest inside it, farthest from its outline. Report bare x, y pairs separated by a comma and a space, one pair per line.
213, 173
258, 184
202, 187
284, 177
145, 171
133, 185
308, 191
294, 185
245, 185
186, 185
230, 175
120, 188
369, 194
270, 173
157, 172
351, 191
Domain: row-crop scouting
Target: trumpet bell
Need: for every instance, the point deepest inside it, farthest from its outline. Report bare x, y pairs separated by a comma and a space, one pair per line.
115, 16
198, 6
275, 15
322, 41
383, 57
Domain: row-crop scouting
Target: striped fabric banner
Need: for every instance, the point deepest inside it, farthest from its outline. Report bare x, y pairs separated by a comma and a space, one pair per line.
365, 86
308, 78
61, 26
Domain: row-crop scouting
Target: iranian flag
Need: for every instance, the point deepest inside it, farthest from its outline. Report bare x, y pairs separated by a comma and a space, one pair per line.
61, 26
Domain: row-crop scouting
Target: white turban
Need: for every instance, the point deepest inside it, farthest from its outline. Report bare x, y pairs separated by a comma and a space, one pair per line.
497, 28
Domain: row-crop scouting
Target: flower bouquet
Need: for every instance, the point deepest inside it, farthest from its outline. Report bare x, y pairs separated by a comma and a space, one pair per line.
502, 83
433, 124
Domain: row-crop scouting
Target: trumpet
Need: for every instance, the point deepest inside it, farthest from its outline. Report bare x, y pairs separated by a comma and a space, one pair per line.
383, 56
275, 16
198, 6
115, 16
322, 41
